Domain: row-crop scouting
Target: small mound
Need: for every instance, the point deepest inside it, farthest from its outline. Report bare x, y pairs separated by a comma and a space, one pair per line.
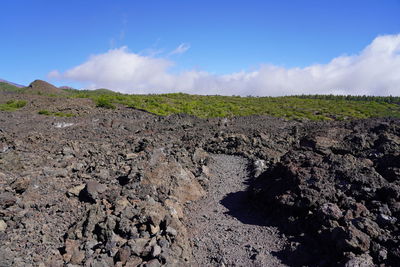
43, 87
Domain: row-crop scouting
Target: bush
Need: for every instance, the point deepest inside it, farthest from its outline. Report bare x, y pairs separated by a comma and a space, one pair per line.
104, 102
44, 112
12, 105
16, 103
57, 114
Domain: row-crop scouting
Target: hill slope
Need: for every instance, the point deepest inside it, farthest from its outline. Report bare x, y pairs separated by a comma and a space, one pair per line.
42, 87
7, 87
11, 83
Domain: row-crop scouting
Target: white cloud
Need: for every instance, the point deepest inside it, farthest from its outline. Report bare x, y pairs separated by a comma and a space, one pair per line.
182, 48
54, 74
373, 71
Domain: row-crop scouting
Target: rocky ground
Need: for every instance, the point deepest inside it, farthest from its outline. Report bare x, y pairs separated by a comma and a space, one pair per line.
340, 187
127, 188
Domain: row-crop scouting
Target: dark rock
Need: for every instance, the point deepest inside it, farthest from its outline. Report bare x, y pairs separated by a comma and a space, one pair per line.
364, 260
92, 191
138, 246
3, 226
331, 210
171, 231
342, 179
133, 261
7, 199
123, 254
354, 240
367, 226
55, 172
72, 252
152, 263
156, 251
384, 219
21, 185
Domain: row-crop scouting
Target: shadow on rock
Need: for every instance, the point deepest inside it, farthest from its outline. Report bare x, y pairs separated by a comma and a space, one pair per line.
301, 249
240, 207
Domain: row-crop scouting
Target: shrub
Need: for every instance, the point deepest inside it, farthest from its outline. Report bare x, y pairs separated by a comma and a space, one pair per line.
312, 107
44, 112
12, 105
104, 102
57, 114
16, 103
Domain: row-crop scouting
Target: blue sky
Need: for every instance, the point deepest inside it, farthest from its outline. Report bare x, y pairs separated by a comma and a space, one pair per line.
220, 41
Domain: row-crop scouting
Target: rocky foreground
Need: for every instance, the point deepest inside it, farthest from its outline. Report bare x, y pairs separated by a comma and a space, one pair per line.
123, 187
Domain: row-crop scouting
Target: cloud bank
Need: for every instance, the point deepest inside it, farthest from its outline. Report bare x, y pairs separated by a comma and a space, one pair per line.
373, 71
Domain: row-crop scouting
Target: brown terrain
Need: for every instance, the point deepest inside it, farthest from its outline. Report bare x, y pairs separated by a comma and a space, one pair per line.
42, 87
127, 188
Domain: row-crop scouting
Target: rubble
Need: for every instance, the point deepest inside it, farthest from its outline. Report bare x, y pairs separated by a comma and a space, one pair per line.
112, 188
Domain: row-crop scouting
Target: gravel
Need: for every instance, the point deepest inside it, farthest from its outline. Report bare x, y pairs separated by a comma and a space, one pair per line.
224, 229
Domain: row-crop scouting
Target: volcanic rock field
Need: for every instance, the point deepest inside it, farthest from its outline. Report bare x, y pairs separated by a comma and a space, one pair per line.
125, 187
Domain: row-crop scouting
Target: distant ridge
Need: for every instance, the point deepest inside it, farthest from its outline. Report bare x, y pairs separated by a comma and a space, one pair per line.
66, 87
11, 83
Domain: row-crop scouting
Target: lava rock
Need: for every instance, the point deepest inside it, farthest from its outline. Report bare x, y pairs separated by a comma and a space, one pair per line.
92, 191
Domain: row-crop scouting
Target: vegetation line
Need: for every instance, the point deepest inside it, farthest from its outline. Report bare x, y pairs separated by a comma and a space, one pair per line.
311, 107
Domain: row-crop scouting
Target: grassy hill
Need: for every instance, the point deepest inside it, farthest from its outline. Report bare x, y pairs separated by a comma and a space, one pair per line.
6, 87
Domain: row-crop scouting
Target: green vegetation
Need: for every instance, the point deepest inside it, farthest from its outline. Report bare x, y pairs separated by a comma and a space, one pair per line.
5, 87
12, 105
104, 102
57, 114
313, 107
386, 99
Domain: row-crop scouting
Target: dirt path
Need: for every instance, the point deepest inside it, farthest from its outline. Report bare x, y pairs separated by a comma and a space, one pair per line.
224, 231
